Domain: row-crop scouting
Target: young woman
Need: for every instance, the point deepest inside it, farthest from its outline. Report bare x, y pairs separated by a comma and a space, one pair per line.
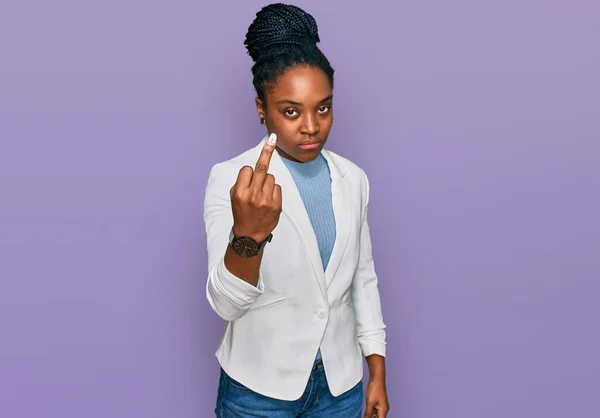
289, 250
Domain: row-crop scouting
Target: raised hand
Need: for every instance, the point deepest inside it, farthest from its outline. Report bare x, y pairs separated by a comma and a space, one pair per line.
255, 198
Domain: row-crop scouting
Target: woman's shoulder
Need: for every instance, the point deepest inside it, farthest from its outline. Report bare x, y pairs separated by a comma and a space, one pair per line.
243, 157
352, 172
347, 166
230, 167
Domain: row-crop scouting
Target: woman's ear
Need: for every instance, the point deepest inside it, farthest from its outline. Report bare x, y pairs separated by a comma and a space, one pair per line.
260, 108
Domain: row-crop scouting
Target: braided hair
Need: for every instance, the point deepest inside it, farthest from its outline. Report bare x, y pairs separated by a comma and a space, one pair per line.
282, 37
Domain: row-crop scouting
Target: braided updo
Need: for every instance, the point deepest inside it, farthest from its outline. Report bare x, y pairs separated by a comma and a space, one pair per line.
281, 37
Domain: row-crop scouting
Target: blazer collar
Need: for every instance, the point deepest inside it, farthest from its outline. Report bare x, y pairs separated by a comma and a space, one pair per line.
293, 207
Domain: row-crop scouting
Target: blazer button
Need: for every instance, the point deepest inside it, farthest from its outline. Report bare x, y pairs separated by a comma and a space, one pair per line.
322, 314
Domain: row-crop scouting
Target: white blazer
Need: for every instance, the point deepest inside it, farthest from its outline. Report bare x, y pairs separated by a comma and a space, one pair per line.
273, 331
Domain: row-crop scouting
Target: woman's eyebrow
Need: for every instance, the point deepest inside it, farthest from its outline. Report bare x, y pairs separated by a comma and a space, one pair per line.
288, 101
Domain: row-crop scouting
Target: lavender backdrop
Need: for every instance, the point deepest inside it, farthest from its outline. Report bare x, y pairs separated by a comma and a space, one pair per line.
477, 122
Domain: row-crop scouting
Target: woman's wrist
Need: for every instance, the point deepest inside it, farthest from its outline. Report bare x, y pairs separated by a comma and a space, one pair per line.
257, 236
376, 366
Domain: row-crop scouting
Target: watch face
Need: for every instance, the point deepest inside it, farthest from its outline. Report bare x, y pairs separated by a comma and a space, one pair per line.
245, 247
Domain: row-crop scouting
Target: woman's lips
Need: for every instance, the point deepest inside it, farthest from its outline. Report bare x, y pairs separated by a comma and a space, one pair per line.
310, 146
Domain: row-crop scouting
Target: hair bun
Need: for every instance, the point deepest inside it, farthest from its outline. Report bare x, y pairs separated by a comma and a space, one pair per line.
280, 24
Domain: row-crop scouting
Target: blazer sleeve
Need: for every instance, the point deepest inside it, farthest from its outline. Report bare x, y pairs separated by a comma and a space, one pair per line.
365, 293
228, 295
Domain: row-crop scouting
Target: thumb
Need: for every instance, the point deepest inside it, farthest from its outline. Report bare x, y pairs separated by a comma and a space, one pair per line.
371, 411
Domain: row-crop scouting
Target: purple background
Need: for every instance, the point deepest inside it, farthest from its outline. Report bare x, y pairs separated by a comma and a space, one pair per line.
477, 123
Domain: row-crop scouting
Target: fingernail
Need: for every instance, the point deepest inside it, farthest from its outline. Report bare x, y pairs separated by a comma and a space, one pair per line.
272, 139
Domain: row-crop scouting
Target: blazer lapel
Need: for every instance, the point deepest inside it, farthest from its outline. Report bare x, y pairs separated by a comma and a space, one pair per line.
293, 207
343, 212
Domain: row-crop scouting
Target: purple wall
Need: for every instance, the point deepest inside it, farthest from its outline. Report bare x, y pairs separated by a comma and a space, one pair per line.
479, 127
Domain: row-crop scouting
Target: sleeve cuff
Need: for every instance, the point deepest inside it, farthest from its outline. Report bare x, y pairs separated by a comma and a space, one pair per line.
369, 347
240, 291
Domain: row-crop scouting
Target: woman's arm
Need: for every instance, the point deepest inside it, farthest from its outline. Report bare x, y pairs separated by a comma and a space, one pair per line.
365, 293
376, 396
251, 206
229, 295
376, 365
371, 328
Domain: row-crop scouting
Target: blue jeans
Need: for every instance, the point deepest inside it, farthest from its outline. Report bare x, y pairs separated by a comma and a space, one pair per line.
235, 400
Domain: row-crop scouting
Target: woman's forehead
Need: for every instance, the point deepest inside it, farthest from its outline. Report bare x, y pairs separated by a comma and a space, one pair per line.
301, 84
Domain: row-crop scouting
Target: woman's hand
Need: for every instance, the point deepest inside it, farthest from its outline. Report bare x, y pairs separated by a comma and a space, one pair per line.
255, 198
376, 396
377, 400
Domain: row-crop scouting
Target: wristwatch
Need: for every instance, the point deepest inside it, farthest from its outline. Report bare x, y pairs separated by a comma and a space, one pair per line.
245, 246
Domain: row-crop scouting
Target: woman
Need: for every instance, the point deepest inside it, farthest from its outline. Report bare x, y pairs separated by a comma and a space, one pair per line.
289, 250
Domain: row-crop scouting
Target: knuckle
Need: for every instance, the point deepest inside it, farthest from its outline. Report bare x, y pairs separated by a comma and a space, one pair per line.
261, 168
261, 202
241, 195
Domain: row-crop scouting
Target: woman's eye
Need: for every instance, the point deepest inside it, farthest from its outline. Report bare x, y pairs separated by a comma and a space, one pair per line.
291, 112
324, 109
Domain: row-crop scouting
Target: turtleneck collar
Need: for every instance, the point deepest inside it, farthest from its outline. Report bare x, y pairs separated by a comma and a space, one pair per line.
307, 170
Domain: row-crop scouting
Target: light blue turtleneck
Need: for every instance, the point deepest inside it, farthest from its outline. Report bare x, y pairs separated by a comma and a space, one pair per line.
313, 181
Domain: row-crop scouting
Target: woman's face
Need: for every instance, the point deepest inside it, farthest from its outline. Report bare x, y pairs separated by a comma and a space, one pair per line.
299, 110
